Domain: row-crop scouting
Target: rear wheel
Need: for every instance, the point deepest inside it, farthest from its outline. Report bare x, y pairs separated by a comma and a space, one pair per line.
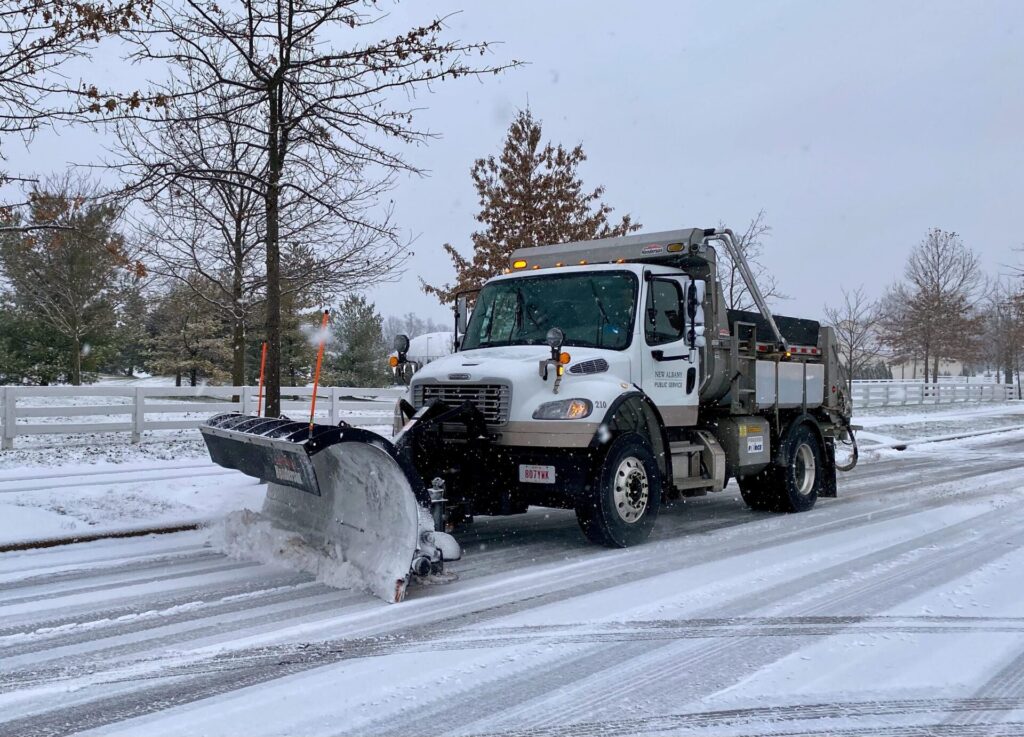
800, 479
794, 486
622, 502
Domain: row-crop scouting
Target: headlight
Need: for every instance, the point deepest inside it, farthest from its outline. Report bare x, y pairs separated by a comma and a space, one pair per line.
566, 409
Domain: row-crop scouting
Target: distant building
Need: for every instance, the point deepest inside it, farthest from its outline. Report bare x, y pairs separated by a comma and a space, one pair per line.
907, 369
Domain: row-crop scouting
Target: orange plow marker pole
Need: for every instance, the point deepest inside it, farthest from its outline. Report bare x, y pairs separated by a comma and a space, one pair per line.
263, 366
319, 360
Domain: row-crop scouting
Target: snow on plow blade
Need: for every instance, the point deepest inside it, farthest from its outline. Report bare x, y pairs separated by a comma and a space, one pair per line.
335, 486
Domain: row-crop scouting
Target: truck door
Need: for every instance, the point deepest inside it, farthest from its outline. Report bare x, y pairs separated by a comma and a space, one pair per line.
667, 375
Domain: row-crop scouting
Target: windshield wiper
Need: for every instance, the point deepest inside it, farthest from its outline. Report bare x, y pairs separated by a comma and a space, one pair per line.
604, 316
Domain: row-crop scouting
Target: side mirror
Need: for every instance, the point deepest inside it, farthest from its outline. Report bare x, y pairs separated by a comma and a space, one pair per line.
401, 345
461, 315
691, 312
691, 300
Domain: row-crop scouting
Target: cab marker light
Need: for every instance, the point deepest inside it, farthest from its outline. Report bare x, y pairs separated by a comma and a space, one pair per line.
519, 264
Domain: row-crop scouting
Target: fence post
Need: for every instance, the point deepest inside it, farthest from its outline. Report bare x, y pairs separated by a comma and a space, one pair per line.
10, 417
244, 396
138, 415
334, 405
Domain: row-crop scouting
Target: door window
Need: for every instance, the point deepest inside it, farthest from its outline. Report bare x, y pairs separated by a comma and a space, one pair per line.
663, 316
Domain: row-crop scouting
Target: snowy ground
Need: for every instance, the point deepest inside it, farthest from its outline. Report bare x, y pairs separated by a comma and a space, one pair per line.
893, 609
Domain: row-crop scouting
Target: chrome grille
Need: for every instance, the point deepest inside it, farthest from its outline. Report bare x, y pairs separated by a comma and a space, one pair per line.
493, 400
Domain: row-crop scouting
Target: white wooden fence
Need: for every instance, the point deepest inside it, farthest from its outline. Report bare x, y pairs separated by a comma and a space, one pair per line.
64, 410
896, 393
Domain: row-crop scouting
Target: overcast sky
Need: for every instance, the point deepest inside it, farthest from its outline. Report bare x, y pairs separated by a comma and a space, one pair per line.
856, 126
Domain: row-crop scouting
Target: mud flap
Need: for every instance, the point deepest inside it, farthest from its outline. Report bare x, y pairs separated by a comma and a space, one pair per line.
341, 489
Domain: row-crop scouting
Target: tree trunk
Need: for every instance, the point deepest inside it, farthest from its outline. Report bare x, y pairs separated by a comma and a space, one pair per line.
238, 339
935, 371
272, 378
76, 361
238, 350
177, 377
926, 357
193, 375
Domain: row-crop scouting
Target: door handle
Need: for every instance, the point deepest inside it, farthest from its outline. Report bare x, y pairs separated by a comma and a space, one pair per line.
660, 356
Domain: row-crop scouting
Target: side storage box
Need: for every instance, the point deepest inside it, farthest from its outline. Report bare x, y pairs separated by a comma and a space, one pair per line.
747, 444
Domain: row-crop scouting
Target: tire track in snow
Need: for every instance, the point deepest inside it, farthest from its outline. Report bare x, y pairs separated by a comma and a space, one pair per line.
72, 631
80, 575
632, 671
1008, 683
785, 713
144, 703
558, 595
722, 663
215, 564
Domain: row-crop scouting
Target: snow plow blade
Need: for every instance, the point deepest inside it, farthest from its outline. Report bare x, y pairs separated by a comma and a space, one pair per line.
342, 489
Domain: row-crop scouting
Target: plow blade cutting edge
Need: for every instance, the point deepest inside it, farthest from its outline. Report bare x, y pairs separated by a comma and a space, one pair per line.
340, 488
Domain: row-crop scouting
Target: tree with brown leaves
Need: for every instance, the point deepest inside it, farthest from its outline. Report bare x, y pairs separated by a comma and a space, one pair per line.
323, 113
931, 314
38, 38
530, 195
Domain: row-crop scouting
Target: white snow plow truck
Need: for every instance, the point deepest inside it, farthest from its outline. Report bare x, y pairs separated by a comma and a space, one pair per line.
602, 376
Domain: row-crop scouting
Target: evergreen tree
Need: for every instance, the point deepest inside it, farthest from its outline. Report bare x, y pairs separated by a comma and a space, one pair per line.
531, 195
189, 341
357, 354
30, 351
67, 268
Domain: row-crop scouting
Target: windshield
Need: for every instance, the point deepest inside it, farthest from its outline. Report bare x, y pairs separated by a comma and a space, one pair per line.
592, 309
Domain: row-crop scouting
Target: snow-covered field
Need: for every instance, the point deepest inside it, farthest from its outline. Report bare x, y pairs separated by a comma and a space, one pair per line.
894, 609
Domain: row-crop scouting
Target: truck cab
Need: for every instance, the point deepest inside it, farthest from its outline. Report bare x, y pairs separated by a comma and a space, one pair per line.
606, 376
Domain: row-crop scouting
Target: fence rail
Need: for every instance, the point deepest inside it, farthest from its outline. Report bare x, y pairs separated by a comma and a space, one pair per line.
66, 410
898, 393
52, 410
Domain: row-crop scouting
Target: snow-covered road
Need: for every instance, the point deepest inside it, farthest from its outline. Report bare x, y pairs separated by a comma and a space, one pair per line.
896, 608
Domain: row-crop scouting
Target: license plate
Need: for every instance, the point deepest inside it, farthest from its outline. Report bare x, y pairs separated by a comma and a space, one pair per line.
537, 474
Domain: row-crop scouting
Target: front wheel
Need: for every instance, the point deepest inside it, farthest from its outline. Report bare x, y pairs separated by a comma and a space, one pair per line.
622, 501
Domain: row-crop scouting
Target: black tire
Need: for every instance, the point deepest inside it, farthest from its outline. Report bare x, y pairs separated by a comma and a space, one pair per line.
758, 491
794, 486
621, 504
800, 480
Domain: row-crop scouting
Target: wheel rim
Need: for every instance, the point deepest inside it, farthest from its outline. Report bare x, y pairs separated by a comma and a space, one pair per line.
805, 469
631, 490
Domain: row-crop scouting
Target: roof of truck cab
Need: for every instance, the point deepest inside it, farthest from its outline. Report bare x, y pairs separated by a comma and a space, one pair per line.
634, 268
622, 249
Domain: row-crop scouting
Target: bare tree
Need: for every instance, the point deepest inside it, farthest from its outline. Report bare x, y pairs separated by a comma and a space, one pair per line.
37, 40
750, 243
322, 115
411, 325
931, 314
856, 324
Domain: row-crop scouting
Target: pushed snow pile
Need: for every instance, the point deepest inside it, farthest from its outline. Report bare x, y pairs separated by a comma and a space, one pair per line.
247, 535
